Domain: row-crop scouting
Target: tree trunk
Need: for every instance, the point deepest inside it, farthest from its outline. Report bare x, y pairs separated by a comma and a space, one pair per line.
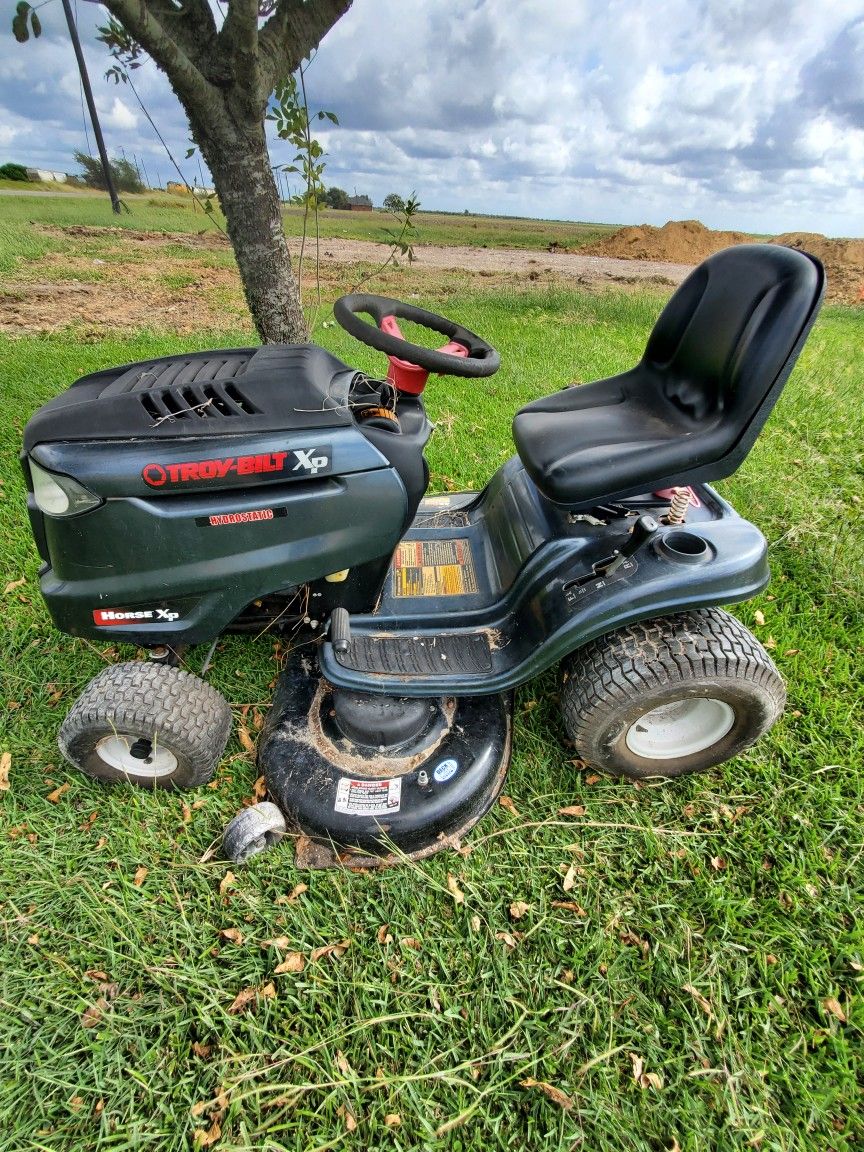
240, 166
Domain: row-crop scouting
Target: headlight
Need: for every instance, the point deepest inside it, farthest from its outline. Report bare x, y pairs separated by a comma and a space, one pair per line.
57, 495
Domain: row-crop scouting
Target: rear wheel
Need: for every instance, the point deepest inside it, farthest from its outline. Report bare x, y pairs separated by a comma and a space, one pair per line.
152, 725
670, 696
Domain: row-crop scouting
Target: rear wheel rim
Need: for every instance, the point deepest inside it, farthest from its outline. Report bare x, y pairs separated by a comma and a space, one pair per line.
115, 751
681, 728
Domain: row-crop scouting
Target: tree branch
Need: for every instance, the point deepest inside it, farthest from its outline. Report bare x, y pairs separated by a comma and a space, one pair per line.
238, 43
145, 23
293, 31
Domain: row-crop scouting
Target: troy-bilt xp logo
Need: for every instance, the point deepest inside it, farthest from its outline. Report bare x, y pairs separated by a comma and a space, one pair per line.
114, 617
306, 461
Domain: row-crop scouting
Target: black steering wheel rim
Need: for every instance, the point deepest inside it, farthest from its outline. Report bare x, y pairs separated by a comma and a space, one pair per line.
482, 359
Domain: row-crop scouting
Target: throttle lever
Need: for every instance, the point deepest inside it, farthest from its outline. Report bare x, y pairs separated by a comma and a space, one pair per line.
645, 529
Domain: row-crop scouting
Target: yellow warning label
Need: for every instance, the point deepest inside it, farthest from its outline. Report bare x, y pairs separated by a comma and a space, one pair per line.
433, 568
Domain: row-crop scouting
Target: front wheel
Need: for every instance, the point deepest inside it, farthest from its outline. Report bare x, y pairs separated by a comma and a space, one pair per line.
147, 724
670, 696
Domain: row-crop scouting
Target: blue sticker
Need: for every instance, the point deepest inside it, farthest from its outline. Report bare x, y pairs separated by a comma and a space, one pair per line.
445, 770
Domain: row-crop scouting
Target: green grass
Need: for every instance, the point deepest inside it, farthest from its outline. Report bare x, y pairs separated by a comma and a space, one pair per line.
160, 212
743, 885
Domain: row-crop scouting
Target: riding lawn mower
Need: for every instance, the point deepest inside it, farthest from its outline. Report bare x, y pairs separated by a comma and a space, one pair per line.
278, 489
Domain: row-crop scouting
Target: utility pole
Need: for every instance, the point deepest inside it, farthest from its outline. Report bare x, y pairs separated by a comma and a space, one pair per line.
88, 96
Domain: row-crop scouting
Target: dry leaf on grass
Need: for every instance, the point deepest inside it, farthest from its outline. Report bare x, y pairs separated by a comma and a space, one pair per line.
570, 906
226, 882
411, 942
506, 803
243, 998
280, 942
454, 889
348, 1116
641, 1077
629, 937
294, 962
759, 617
202, 1051
296, 892
245, 739
569, 878
343, 1065
268, 991
259, 788
700, 1000
91, 1015
54, 797
475, 923
830, 1004
572, 810
140, 876
518, 909
13, 584
383, 936
593, 778
392, 1120
232, 934
554, 1094
337, 950
5, 765
509, 939
202, 1139
718, 863
186, 811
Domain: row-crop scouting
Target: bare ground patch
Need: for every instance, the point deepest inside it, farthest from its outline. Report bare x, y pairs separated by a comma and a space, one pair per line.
120, 279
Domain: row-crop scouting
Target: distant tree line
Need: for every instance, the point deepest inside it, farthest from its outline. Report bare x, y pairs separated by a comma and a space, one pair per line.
14, 172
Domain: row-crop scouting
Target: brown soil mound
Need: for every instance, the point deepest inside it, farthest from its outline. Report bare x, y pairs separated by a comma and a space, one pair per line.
678, 241
689, 242
843, 260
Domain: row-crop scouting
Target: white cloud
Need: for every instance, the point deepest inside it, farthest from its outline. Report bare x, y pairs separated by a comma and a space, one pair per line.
746, 113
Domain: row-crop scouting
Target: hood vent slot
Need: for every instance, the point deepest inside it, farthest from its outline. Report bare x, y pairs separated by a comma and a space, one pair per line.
197, 402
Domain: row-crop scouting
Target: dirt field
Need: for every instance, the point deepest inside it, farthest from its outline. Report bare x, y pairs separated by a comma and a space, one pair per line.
112, 279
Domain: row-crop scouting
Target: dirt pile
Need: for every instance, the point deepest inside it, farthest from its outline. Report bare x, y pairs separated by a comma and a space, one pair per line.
689, 242
843, 260
678, 242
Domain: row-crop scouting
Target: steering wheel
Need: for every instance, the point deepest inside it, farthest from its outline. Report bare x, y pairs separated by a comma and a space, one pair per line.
465, 355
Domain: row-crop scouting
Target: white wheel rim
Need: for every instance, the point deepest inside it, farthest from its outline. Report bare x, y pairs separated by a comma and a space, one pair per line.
115, 751
681, 728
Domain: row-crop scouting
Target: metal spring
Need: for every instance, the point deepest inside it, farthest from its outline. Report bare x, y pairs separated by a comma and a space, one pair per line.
678, 506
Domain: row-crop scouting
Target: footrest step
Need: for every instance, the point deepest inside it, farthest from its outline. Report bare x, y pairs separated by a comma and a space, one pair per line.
443, 655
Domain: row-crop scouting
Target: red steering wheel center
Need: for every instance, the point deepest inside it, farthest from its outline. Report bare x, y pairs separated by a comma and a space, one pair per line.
402, 374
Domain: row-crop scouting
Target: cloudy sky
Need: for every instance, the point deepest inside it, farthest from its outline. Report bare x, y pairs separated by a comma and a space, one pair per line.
742, 113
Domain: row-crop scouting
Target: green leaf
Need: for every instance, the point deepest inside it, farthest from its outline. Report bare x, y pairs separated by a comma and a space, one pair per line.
19, 28
22, 7
190, 152
36, 25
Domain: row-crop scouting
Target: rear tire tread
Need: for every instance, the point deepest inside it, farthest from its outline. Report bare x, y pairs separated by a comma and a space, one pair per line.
705, 644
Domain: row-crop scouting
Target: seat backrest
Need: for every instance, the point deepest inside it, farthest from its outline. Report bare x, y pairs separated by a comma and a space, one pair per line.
727, 340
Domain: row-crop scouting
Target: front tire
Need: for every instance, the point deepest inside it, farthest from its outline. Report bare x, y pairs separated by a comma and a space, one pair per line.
670, 696
151, 725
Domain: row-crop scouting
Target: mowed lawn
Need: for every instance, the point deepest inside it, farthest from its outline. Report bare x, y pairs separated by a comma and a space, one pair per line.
677, 967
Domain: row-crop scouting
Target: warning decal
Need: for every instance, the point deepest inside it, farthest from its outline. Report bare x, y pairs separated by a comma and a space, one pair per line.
433, 568
368, 797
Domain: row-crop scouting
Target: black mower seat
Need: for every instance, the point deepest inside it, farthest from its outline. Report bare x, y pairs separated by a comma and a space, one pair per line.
691, 409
